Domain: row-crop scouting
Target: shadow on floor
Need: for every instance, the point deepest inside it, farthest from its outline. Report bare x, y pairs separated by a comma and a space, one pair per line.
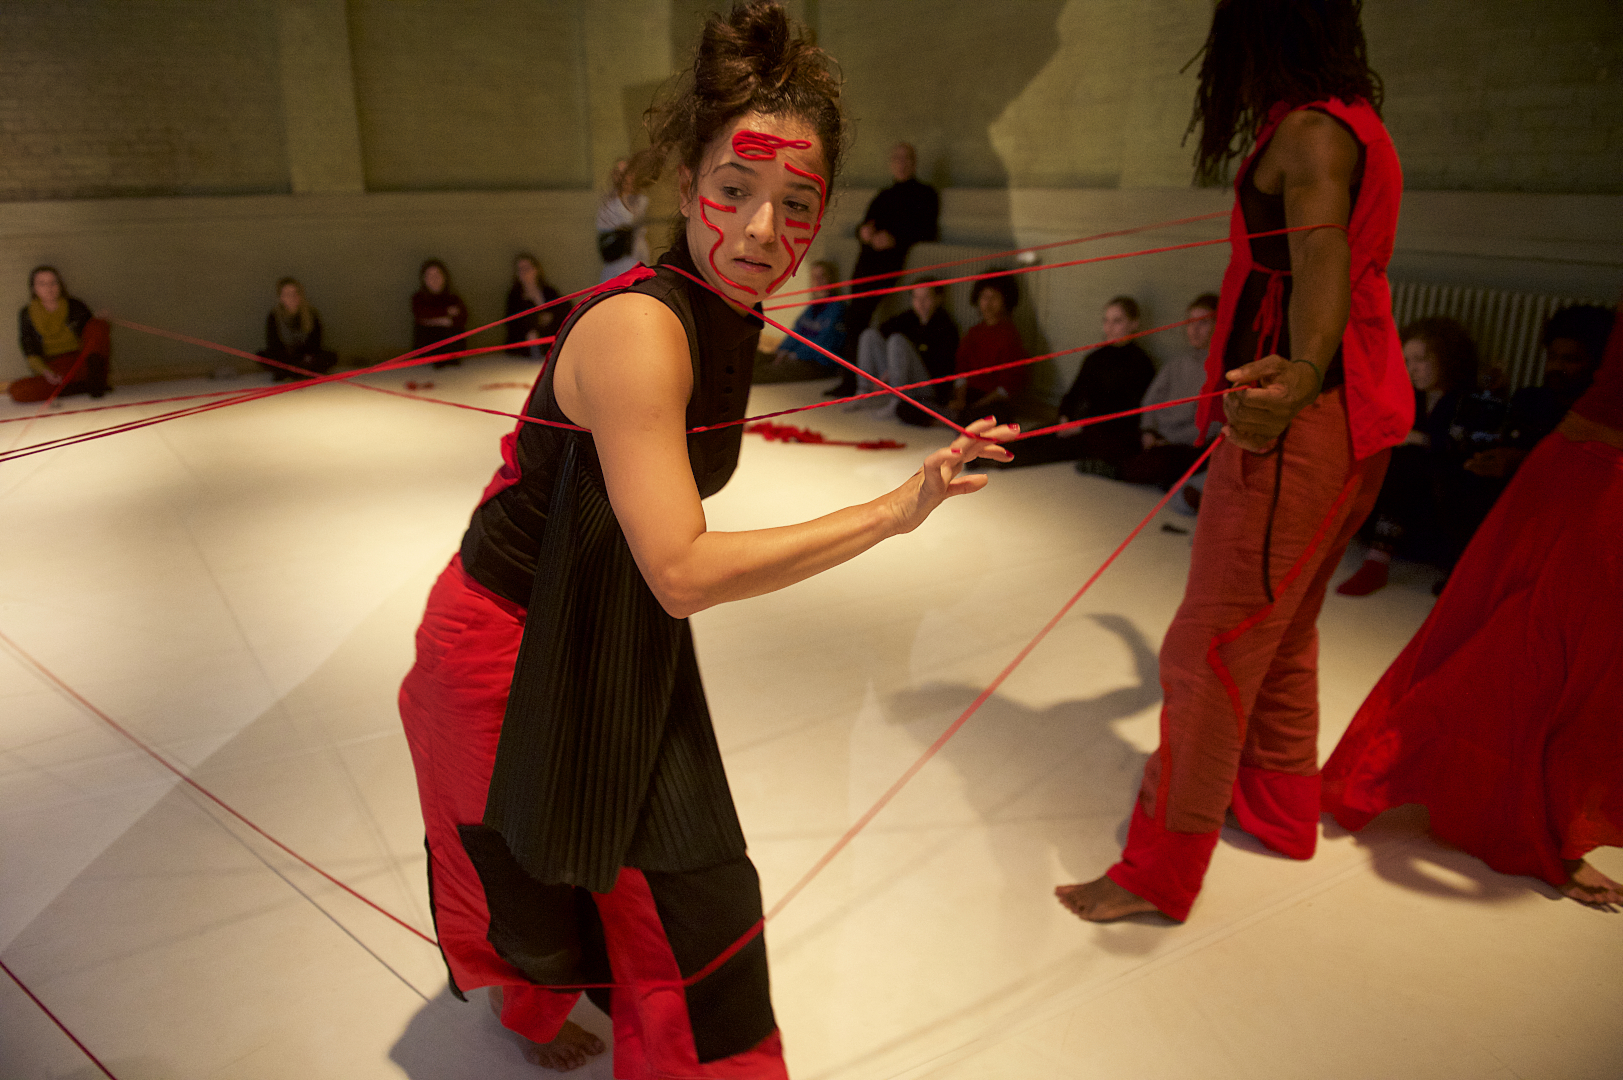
449, 1039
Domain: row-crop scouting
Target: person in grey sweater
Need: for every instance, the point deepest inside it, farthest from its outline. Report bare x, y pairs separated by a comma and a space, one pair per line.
1169, 435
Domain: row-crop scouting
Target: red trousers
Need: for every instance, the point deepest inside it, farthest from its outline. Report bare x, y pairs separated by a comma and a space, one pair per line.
451, 704
81, 372
1239, 666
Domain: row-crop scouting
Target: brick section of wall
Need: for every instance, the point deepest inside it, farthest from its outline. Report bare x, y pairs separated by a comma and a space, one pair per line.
1503, 95
475, 95
139, 97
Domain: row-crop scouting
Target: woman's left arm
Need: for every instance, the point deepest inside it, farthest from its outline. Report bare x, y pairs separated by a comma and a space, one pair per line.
632, 395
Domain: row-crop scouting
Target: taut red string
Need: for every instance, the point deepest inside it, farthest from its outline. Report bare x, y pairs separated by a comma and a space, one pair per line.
52, 677
1005, 254
1055, 266
94, 1060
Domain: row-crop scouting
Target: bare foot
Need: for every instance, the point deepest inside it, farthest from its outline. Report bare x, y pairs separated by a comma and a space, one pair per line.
1101, 900
569, 1050
1591, 888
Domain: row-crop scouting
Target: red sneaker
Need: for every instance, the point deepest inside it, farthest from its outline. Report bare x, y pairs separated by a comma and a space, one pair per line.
1371, 577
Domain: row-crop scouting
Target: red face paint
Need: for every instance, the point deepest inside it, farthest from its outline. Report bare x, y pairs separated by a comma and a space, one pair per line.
705, 204
761, 146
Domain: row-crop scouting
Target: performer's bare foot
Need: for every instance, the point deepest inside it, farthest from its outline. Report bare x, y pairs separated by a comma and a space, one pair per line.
1102, 900
1590, 887
570, 1049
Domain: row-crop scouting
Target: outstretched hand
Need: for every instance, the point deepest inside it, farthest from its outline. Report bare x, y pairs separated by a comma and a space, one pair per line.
939, 479
1258, 416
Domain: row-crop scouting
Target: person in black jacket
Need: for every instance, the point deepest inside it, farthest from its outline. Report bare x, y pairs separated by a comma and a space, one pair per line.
1112, 379
66, 346
904, 214
293, 336
920, 343
530, 288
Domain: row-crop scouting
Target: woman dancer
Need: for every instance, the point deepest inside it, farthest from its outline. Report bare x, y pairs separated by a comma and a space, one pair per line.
1501, 716
580, 827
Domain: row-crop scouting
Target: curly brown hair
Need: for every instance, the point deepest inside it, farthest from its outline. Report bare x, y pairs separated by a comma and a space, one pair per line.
751, 60
1452, 346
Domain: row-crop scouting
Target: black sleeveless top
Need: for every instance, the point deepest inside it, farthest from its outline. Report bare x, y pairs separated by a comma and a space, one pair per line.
607, 757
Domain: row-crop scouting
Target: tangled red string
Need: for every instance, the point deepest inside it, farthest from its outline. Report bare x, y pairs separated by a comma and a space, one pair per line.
786, 433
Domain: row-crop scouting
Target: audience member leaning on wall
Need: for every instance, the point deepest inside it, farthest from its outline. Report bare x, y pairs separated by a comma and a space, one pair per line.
1168, 435
989, 343
437, 312
293, 336
65, 344
530, 289
1113, 379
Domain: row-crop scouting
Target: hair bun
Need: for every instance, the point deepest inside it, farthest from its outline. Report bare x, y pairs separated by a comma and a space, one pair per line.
753, 59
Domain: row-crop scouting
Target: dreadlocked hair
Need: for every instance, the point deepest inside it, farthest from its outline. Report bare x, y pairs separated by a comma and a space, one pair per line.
751, 60
1264, 52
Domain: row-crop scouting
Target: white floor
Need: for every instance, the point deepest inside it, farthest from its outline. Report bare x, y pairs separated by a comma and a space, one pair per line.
241, 588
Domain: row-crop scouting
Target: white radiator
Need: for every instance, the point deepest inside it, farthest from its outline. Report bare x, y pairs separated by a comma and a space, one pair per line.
1505, 325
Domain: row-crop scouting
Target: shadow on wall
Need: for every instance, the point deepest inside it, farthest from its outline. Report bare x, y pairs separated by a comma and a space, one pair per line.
937, 74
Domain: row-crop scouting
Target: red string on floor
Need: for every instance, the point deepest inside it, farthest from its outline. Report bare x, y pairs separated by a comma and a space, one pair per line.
94, 1060
52, 677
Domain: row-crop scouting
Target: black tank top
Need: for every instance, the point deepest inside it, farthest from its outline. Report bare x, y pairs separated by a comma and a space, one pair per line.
500, 548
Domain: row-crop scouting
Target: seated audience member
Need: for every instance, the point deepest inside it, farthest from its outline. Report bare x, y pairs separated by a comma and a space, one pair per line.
622, 222
293, 335
437, 312
920, 343
530, 288
906, 213
67, 347
823, 324
989, 343
1442, 361
1574, 340
1168, 435
1113, 378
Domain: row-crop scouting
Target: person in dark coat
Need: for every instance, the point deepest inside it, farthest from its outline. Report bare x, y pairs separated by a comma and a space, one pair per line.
66, 346
530, 289
1113, 378
904, 214
293, 336
437, 312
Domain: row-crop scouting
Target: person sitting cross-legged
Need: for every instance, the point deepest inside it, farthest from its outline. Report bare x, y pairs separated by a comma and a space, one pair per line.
1168, 434
920, 343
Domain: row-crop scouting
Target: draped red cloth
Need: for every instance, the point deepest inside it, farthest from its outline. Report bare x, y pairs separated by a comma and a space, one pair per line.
1503, 714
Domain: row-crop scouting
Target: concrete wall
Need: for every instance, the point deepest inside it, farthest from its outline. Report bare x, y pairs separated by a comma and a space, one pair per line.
364, 135
207, 267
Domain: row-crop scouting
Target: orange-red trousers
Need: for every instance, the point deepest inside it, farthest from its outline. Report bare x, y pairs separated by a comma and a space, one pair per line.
81, 372
452, 704
1239, 666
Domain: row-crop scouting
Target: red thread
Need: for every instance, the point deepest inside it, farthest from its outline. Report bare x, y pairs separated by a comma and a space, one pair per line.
786, 433
984, 696
1051, 266
199, 788
1213, 659
1011, 251
94, 1060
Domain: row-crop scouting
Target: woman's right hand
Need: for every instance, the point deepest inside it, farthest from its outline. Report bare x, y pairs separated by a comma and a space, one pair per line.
939, 480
